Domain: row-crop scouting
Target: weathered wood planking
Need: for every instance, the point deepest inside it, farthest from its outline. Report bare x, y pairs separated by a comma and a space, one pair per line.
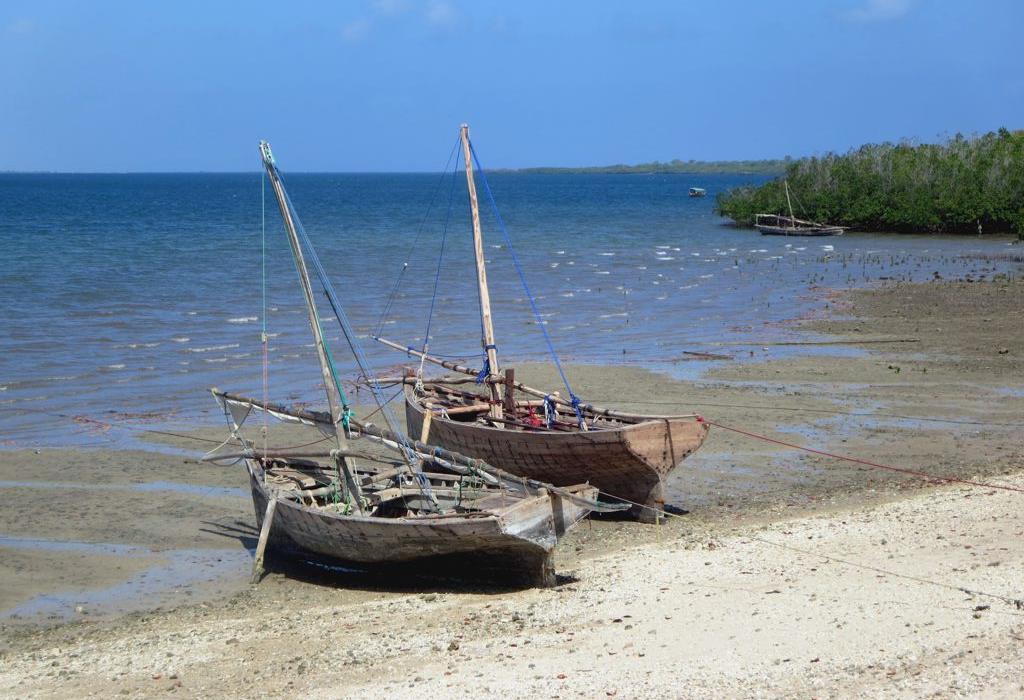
628, 462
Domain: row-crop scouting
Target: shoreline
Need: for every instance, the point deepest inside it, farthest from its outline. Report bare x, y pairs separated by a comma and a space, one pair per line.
735, 490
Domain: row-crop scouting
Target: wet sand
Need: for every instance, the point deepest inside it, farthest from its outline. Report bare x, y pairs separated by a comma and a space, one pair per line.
710, 603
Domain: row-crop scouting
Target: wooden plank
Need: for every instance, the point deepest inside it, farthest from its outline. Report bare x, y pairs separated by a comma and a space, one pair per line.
425, 430
261, 547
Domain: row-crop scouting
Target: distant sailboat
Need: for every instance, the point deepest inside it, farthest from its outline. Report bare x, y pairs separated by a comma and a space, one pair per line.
778, 225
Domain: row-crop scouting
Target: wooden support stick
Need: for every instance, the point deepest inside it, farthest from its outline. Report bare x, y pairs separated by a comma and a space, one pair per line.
510, 393
261, 547
428, 417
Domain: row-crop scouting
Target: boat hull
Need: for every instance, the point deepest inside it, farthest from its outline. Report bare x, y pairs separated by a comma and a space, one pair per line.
515, 542
629, 463
783, 231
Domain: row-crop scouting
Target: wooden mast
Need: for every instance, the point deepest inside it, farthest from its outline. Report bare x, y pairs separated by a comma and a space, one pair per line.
481, 275
792, 218
333, 395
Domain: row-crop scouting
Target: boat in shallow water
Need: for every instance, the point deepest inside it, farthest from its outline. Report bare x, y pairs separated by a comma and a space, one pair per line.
536, 433
402, 503
780, 225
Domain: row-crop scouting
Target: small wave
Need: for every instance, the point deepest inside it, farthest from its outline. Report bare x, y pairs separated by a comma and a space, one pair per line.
559, 252
216, 359
213, 347
663, 247
243, 319
602, 272
704, 277
666, 257
117, 366
133, 346
180, 339
568, 294
624, 313
607, 255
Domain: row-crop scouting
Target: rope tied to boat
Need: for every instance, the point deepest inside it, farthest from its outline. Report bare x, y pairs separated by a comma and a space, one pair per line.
550, 410
485, 372
541, 323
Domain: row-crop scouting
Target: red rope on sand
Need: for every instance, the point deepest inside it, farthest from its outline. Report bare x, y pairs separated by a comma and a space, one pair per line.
856, 460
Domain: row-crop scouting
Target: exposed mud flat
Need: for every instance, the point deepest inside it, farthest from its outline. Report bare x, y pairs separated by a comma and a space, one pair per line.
755, 591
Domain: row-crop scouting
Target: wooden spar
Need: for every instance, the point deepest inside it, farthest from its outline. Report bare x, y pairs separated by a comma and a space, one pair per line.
425, 432
261, 546
789, 203
589, 407
481, 273
510, 392
456, 459
331, 389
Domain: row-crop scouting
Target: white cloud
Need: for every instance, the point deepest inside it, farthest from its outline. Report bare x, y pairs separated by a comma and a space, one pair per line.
356, 30
880, 10
441, 13
391, 8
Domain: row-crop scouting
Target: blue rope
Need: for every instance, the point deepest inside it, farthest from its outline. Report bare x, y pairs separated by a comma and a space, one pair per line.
522, 278
485, 372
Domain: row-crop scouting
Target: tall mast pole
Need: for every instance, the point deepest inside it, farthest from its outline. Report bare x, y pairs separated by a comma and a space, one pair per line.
789, 203
490, 348
333, 395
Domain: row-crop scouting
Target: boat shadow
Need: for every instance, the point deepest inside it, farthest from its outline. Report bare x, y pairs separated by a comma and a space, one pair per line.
449, 574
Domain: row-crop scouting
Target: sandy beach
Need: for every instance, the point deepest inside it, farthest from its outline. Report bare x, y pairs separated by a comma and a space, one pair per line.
791, 574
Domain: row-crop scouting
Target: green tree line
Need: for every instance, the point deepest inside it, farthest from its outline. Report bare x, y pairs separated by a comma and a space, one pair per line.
951, 187
745, 167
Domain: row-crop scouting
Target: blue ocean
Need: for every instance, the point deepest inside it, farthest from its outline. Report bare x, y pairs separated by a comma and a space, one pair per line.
128, 296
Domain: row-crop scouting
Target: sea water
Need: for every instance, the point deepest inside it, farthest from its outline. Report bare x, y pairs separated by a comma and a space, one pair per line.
128, 296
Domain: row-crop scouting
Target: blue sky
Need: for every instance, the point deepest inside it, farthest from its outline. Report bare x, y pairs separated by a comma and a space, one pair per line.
371, 85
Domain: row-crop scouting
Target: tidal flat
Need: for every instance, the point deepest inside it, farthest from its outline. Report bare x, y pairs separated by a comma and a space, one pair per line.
792, 573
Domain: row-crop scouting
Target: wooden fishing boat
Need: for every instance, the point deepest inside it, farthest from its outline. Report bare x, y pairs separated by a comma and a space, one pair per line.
461, 521
697, 192
537, 433
428, 507
779, 225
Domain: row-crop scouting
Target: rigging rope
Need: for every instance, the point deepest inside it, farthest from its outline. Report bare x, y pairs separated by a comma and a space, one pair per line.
361, 360
437, 273
575, 400
264, 338
875, 465
419, 230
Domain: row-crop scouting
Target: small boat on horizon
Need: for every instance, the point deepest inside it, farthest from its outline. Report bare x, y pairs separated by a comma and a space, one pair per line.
698, 192
780, 225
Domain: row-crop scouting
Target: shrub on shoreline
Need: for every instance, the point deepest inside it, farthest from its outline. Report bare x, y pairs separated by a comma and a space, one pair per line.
953, 187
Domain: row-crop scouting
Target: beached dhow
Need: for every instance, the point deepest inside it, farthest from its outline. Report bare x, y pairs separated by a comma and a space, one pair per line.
423, 505
779, 225
537, 433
